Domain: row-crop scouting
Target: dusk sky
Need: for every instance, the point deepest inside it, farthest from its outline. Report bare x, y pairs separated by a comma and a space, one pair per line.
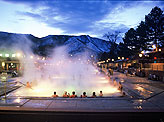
75, 17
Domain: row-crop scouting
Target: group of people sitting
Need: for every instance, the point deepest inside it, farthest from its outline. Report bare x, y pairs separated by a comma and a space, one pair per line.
84, 95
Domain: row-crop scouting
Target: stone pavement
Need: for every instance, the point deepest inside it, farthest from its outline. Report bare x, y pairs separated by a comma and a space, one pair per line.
142, 96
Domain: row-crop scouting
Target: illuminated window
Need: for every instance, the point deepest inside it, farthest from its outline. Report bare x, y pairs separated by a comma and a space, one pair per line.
13, 55
6, 55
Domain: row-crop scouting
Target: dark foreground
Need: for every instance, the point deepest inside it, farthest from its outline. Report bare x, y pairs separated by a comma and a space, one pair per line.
39, 116
144, 102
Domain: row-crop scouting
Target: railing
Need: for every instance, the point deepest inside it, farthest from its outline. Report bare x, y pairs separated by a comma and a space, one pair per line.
155, 67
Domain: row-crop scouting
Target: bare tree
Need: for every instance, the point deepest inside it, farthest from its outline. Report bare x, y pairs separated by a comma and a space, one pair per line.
112, 37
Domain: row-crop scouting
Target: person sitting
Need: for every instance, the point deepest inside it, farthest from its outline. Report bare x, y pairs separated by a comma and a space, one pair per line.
55, 95
73, 95
84, 95
101, 94
114, 82
28, 85
65, 95
93, 95
123, 94
120, 87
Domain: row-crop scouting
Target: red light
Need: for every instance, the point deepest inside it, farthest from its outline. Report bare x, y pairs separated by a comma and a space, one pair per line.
127, 58
155, 57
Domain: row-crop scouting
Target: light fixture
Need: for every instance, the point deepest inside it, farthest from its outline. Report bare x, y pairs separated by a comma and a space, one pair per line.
18, 54
3, 64
140, 55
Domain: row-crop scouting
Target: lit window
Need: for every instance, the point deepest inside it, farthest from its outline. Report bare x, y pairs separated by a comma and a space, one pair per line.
13, 55
6, 55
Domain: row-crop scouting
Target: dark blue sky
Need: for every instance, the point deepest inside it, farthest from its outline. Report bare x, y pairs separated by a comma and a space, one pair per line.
91, 17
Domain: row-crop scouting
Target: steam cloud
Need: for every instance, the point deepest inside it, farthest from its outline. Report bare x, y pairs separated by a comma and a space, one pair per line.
59, 73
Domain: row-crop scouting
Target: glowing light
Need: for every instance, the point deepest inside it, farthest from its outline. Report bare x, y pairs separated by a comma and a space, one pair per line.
118, 57
31, 57
92, 56
160, 49
6, 55
140, 55
112, 59
140, 88
153, 46
43, 58
123, 58
140, 100
0, 54
13, 55
104, 81
17, 100
3, 64
18, 54
142, 52
155, 57
102, 78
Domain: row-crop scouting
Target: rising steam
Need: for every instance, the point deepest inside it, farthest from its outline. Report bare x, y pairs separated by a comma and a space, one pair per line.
60, 72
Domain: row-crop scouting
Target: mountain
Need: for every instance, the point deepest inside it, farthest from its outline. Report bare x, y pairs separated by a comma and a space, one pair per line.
44, 46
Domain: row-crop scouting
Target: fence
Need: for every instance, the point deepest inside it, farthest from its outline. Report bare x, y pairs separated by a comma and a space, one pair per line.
154, 66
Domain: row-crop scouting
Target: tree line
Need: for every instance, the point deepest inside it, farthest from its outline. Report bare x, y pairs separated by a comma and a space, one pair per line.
149, 32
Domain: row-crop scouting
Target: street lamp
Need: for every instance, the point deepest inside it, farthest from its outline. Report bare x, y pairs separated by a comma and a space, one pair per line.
142, 52
112, 59
18, 54
140, 55
3, 64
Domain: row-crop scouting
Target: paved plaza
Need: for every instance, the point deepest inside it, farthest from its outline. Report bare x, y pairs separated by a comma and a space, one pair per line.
142, 95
